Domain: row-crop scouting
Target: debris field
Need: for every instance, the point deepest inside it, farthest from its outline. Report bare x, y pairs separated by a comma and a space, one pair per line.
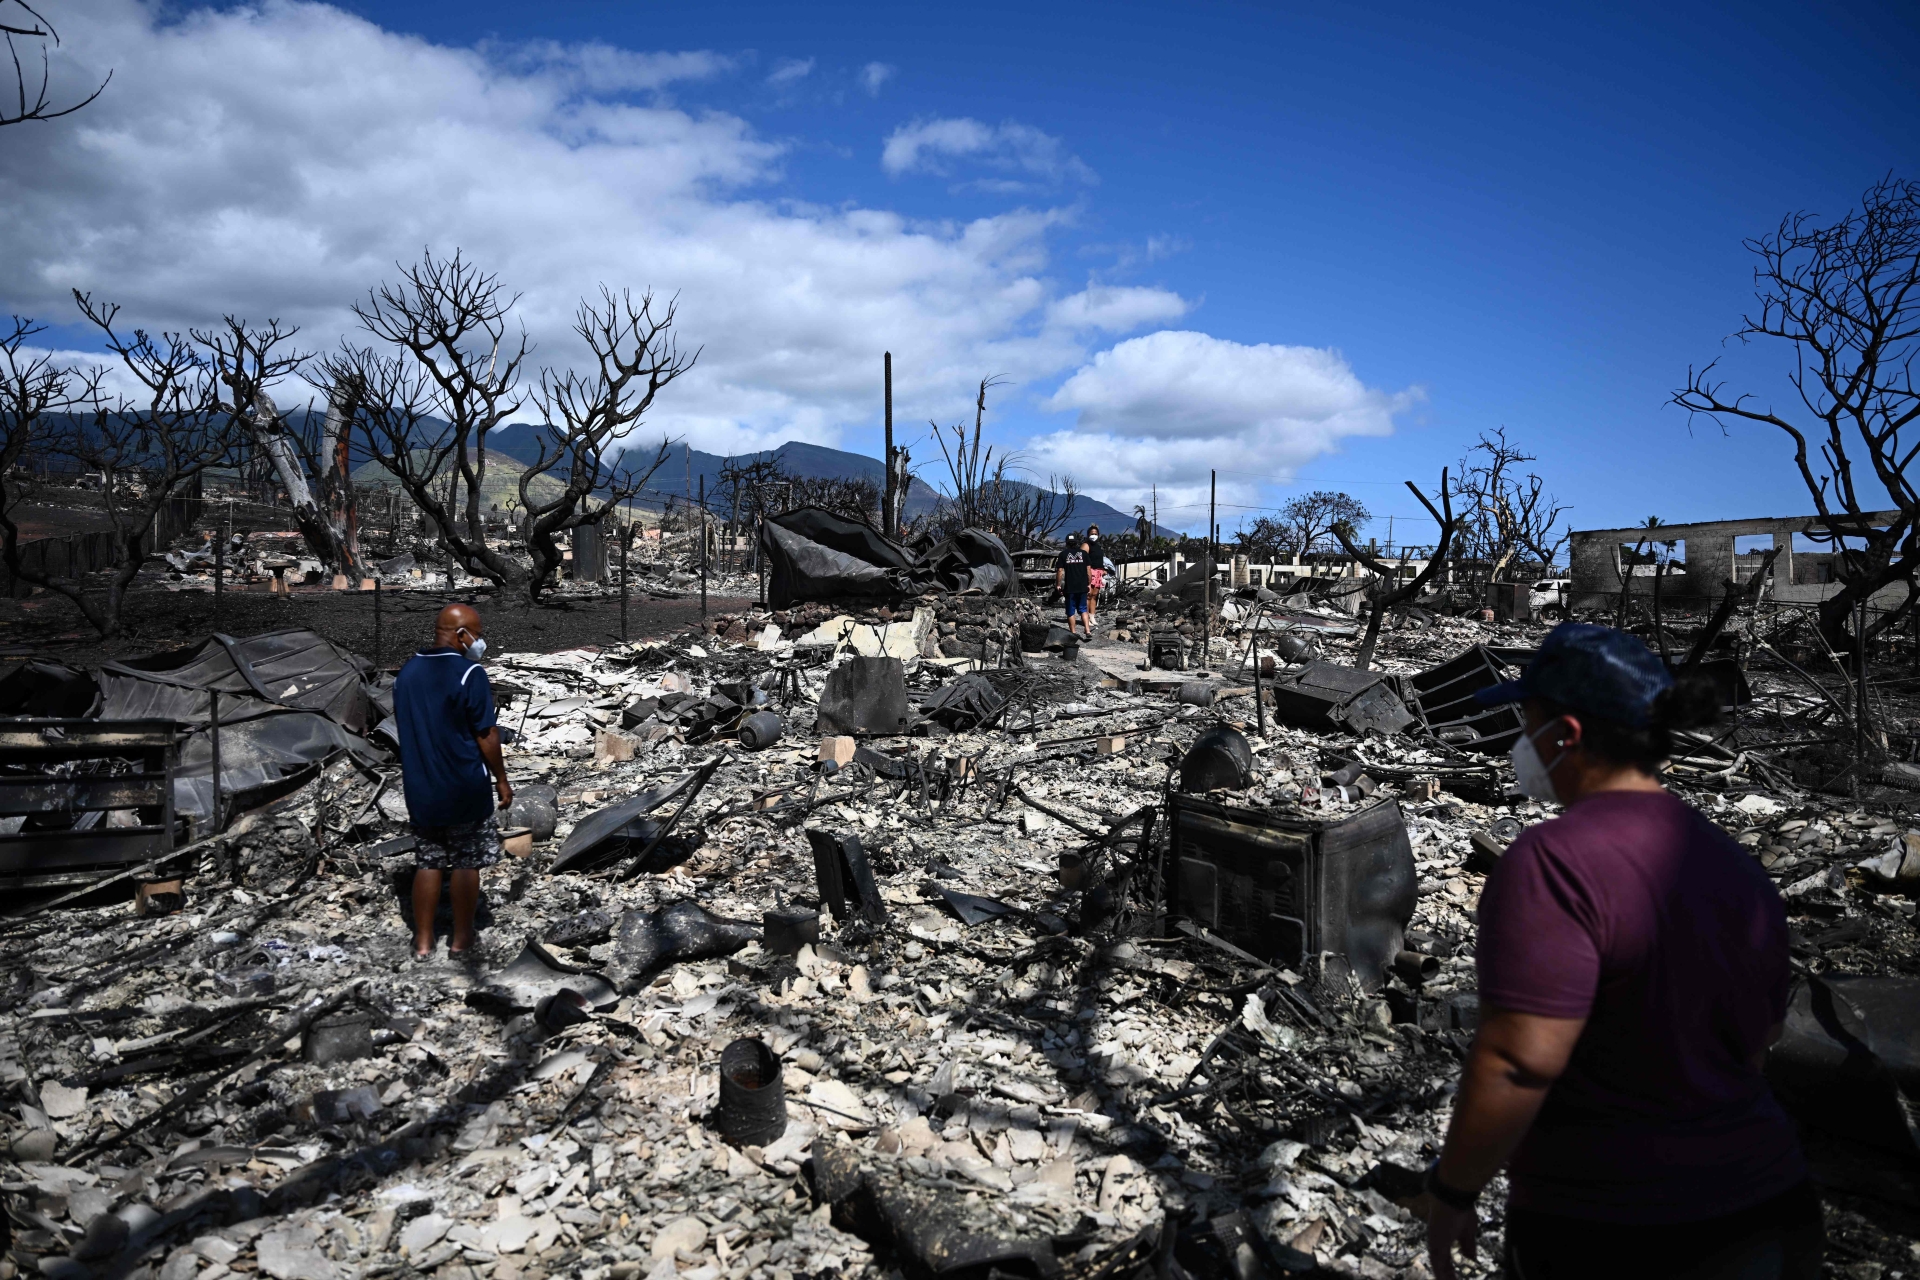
947, 870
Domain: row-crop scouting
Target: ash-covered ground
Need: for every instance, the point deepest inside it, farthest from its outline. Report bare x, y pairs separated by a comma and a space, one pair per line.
1016, 1067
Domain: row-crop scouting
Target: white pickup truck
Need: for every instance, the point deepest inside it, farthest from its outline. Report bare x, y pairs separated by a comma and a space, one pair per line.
1547, 598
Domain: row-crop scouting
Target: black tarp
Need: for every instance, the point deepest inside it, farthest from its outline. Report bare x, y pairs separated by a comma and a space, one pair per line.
814, 554
971, 560
288, 700
48, 691
1848, 1060
299, 669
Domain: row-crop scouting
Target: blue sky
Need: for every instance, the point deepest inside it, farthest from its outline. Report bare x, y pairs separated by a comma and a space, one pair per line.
1526, 217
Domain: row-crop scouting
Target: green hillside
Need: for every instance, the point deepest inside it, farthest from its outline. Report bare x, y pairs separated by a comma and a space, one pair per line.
501, 486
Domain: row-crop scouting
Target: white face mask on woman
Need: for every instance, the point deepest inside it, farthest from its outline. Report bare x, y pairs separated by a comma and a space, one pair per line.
1531, 774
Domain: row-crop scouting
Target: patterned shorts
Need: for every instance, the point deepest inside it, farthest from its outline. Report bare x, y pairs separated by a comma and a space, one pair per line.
465, 846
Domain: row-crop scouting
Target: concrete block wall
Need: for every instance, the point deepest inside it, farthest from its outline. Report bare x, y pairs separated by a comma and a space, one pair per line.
1708, 559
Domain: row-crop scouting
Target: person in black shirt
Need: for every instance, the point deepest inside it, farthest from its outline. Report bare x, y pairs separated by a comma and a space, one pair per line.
1070, 576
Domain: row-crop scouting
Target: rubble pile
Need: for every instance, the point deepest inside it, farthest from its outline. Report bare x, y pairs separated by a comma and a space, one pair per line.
993, 1028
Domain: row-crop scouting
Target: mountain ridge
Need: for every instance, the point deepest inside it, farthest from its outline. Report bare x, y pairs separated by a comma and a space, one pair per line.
680, 476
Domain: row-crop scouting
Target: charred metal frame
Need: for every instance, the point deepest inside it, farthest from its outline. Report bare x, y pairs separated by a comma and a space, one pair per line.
147, 754
1443, 697
1285, 887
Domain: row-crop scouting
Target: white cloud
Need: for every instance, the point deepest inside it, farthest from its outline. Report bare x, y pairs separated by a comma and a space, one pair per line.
790, 71
602, 68
875, 74
1171, 406
929, 146
291, 186
1115, 309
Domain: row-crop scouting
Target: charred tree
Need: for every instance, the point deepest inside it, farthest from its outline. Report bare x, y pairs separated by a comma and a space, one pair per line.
589, 417
1845, 296
855, 497
35, 395
445, 375
970, 462
303, 462
1390, 598
1503, 510
335, 446
150, 449
985, 494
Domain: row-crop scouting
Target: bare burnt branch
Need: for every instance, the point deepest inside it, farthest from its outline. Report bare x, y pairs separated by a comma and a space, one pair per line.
40, 107
1392, 597
1845, 294
589, 415
454, 360
148, 450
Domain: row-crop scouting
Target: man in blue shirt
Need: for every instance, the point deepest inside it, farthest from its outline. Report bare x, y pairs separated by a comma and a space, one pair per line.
449, 744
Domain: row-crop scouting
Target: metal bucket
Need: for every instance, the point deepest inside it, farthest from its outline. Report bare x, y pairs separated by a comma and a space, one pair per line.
753, 1104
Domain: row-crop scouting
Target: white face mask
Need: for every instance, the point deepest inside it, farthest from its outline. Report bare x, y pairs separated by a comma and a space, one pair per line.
1531, 774
477, 649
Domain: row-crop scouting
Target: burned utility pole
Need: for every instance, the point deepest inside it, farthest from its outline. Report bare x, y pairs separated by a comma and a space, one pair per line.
703, 546
1206, 575
895, 482
220, 536
887, 525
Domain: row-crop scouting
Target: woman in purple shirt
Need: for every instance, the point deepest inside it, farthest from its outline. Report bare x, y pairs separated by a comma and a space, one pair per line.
1633, 971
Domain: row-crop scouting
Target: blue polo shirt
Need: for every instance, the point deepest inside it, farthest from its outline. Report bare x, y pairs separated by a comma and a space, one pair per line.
443, 702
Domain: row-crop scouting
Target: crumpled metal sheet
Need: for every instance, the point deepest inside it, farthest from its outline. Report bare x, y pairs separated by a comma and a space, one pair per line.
535, 974
615, 829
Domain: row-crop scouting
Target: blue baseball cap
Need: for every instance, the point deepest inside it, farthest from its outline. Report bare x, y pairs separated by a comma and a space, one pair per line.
1606, 673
